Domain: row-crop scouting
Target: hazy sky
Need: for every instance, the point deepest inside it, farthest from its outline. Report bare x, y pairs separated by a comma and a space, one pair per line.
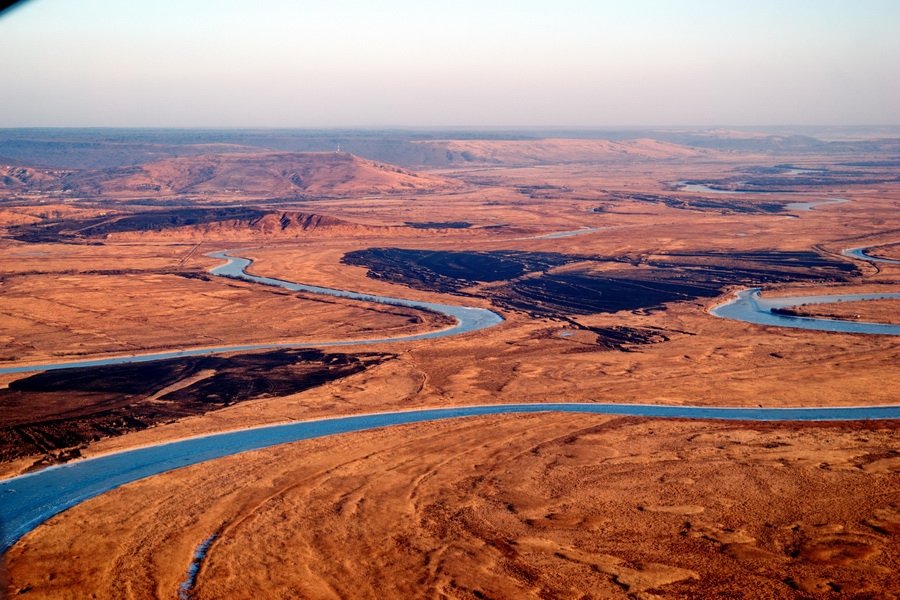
324, 63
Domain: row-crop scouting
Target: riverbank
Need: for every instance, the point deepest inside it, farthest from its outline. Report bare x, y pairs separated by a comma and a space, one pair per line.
558, 500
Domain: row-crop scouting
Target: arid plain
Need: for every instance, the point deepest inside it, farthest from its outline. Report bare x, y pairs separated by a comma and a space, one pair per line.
603, 256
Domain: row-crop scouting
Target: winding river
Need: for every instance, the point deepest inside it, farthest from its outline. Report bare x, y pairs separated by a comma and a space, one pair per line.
28, 500
810, 205
467, 319
749, 306
863, 254
807, 206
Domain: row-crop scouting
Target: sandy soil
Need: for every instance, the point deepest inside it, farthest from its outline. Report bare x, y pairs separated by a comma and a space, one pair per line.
892, 252
67, 316
705, 360
877, 311
31, 259
549, 505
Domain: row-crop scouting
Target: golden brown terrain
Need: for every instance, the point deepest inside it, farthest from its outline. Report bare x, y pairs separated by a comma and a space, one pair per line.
891, 251
550, 505
545, 505
873, 311
56, 316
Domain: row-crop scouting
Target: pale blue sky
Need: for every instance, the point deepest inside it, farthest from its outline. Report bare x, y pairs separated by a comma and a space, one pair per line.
323, 63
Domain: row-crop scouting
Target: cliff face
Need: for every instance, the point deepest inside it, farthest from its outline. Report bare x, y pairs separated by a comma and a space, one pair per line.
253, 225
279, 224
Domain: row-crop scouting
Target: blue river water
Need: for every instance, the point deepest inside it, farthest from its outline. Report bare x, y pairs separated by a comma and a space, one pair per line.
807, 206
750, 307
467, 319
28, 500
791, 206
862, 254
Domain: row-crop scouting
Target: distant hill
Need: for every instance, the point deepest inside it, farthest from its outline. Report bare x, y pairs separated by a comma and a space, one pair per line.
19, 178
555, 150
260, 174
87, 148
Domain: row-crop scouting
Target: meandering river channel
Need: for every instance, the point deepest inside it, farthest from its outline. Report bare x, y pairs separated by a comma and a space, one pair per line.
749, 306
863, 254
467, 319
28, 500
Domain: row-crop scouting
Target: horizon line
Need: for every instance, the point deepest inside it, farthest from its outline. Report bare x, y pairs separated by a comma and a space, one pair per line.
396, 127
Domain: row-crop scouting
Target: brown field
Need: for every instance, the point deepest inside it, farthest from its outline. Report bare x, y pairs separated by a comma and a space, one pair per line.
892, 251
546, 505
876, 311
67, 316
517, 506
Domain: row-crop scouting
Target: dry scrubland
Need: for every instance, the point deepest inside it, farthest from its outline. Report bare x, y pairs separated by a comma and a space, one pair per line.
536, 506
875, 311
514, 506
56, 316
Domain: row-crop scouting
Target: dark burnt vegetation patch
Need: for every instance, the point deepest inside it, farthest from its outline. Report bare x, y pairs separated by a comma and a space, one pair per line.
620, 337
529, 281
764, 266
168, 219
783, 184
584, 293
50, 412
438, 224
543, 191
705, 204
445, 271
785, 178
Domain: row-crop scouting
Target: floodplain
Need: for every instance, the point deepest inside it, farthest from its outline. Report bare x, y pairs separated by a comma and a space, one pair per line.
603, 257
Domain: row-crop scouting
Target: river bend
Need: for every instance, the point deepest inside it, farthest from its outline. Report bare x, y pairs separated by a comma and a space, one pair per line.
467, 319
749, 306
862, 254
28, 500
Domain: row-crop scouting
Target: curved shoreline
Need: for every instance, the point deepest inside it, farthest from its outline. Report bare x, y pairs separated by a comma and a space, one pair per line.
799, 206
32, 498
813, 204
467, 319
861, 254
749, 306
